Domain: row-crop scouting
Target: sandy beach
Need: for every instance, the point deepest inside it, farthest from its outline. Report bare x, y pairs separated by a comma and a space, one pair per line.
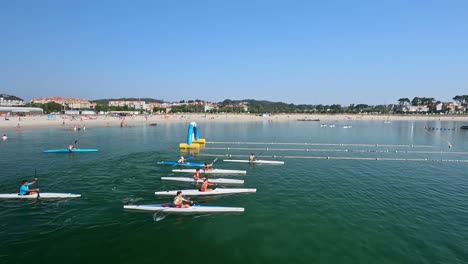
43, 121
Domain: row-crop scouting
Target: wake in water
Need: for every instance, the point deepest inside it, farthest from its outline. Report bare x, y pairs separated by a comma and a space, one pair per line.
132, 200
159, 216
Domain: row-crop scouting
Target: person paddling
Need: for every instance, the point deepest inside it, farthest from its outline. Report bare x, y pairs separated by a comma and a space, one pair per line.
252, 157
71, 147
204, 186
196, 175
179, 201
24, 188
208, 167
181, 160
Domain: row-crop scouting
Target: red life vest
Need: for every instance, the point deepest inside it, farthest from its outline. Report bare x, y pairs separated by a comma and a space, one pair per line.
196, 175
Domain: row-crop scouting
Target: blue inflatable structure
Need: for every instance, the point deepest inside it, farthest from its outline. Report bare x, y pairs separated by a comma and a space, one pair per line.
193, 140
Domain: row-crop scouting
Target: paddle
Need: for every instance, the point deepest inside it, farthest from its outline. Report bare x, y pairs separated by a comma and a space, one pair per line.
259, 154
211, 164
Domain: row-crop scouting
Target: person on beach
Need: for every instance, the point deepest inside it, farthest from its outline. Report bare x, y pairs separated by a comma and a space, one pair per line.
4, 137
181, 160
204, 186
252, 157
24, 188
179, 201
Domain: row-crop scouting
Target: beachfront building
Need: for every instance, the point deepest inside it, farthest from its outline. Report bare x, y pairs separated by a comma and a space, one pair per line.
10, 100
153, 105
454, 108
240, 107
7, 111
67, 103
211, 107
436, 108
417, 108
131, 104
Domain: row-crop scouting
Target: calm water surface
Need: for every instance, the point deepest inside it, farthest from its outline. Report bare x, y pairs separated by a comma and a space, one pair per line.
309, 210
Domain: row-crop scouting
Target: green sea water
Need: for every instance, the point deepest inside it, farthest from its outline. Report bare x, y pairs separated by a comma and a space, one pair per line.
309, 210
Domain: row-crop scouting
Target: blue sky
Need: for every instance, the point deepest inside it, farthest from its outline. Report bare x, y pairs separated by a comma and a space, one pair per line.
301, 52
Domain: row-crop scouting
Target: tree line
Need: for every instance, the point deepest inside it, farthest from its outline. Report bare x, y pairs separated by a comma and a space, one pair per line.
262, 106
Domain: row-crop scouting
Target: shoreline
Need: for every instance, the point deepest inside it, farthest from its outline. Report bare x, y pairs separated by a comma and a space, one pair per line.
61, 121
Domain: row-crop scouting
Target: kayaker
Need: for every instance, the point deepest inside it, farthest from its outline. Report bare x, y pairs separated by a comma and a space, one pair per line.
196, 175
252, 157
24, 188
181, 160
179, 201
204, 186
71, 147
208, 166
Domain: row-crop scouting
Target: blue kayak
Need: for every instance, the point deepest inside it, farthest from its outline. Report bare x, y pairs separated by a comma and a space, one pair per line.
68, 151
188, 163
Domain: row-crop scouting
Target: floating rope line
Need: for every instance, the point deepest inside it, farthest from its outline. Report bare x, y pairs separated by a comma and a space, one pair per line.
316, 144
341, 150
339, 158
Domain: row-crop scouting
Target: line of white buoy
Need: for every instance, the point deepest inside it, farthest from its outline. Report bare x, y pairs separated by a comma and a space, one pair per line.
338, 150
340, 158
318, 144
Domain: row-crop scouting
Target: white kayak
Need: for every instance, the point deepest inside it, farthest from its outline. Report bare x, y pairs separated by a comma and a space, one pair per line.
200, 181
191, 209
214, 192
256, 161
213, 171
41, 196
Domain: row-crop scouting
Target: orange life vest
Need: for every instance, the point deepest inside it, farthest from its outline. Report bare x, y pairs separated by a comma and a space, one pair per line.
204, 186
